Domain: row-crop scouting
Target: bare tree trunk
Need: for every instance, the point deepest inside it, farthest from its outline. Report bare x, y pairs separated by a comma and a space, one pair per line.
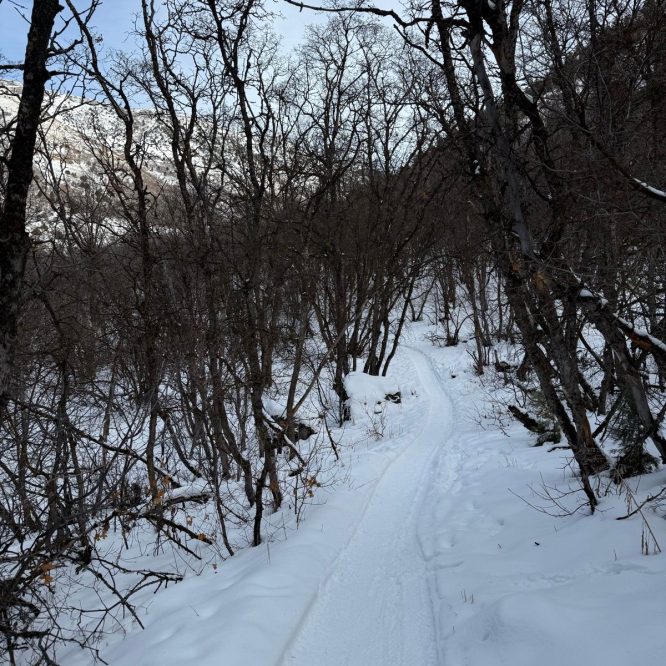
14, 240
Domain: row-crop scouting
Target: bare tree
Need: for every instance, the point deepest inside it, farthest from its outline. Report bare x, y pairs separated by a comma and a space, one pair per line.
14, 238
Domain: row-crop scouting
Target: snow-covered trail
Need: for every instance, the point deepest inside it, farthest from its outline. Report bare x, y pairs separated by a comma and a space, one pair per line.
424, 553
375, 605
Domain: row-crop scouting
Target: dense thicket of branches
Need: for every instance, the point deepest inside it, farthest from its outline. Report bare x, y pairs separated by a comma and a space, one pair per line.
264, 225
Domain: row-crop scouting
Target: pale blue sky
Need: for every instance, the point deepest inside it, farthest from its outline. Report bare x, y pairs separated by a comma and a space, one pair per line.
114, 20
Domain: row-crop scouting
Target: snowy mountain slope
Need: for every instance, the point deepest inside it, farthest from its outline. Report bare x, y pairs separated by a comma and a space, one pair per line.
427, 552
74, 127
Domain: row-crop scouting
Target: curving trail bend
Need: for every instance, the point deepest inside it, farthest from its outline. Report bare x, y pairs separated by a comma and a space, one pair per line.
376, 604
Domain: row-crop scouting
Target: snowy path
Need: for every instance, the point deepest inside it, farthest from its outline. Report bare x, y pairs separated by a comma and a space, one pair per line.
375, 605
425, 554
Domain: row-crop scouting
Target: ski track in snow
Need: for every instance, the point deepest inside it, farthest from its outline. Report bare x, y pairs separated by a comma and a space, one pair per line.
376, 605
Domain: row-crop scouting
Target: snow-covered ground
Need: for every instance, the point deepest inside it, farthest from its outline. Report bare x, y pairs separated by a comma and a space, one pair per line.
430, 549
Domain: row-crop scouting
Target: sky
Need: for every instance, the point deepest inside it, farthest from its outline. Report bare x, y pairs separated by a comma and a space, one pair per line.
114, 20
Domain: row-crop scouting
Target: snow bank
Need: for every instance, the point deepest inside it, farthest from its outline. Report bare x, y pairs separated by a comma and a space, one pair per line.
609, 619
368, 394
